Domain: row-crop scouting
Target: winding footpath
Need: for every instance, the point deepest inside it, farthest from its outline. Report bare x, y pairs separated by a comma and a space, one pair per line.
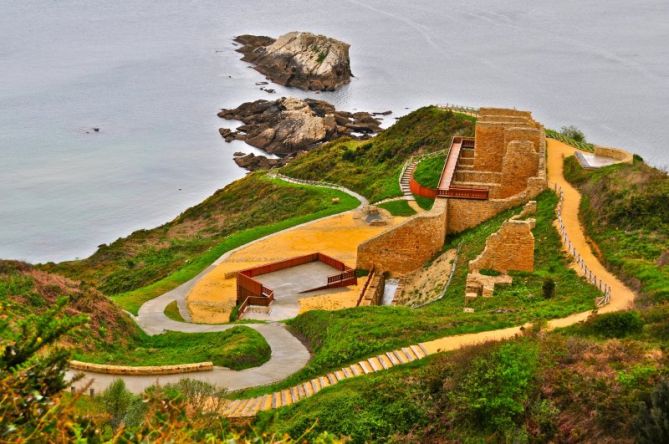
288, 355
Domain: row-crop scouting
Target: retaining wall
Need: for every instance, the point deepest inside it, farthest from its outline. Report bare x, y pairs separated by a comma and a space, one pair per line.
141, 370
407, 246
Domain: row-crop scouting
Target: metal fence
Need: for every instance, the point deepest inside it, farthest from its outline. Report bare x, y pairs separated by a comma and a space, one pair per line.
589, 275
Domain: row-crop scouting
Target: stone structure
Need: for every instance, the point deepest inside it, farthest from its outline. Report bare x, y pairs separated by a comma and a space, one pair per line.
142, 370
502, 167
407, 246
510, 248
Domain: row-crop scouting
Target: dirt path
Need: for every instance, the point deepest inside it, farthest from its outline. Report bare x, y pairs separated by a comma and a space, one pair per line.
621, 298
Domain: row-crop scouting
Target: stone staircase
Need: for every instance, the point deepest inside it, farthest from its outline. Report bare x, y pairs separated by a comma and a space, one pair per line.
243, 408
406, 178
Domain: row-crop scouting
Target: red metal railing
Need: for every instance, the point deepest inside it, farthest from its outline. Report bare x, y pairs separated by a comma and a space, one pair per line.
420, 190
252, 292
465, 193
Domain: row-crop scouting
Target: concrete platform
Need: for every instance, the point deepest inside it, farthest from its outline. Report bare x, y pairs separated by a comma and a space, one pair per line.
592, 161
288, 286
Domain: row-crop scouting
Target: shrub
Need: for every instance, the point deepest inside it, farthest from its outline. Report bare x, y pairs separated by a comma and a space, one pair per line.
616, 325
652, 423
573, 133
494, 392
124, 408
548, 288
489, 272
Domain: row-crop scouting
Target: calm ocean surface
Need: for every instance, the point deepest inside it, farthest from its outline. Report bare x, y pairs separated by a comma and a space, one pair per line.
152, 75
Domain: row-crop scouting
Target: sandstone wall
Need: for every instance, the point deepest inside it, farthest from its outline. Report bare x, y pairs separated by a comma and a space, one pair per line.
521, 162
511, 247
406, 247
490, 148
141, 370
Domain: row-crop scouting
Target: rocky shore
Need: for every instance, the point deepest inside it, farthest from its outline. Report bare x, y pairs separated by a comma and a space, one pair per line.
299, 59
287, 126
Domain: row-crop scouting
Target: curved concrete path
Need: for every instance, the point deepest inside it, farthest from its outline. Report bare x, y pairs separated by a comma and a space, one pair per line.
289, 355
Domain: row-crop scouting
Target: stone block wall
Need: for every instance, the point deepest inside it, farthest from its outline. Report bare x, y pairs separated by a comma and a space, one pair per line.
511, 247
521, 162
141, 370
406, 247
489, 150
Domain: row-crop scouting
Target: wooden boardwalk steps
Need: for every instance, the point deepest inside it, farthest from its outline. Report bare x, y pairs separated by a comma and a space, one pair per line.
244, 408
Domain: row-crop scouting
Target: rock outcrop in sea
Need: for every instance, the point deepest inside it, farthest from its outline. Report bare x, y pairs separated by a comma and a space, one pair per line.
288, 126
300, 59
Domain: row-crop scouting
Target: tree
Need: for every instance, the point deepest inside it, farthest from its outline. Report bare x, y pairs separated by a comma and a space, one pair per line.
652, 423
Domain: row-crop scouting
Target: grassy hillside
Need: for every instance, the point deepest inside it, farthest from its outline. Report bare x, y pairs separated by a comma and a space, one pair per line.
372, 167
625, 210
535, 389
243, 211
345, 336
237, 348
26, 291
110, 336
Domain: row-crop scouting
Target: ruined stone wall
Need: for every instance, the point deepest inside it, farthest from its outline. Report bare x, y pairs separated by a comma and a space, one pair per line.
477, 176
504, 112
406, 247
489, 150
521, 162
511, 247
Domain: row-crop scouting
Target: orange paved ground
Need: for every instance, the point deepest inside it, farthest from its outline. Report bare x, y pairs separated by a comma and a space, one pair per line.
213, 297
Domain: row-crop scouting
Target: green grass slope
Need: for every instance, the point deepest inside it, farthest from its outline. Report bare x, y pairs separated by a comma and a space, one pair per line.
237, 348
625, 210
149, 262
372, 167
345, 336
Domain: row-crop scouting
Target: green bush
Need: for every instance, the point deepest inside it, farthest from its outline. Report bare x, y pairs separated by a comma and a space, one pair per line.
652, 424
489, 272
494, 392
616, 325
548, 288
124, 408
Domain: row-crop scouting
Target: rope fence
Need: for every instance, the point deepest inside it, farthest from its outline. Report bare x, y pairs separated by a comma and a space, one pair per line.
591, 277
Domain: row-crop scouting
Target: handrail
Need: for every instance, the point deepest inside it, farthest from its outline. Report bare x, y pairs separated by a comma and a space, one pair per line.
589, 275
364, 287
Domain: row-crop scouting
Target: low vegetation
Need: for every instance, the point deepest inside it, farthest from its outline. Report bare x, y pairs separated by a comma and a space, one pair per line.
34, 406
398, 208
571, 136
237, 348
345, 336
372, 167
172, 312
428, 171
150, 262
625, 210
538, 388
26, 291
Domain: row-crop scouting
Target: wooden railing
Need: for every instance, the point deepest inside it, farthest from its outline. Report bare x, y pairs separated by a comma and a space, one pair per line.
252, 292
464, 193
588, 274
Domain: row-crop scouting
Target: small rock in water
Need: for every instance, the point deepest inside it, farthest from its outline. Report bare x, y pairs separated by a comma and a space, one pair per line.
383, 113
262, 83
97, 130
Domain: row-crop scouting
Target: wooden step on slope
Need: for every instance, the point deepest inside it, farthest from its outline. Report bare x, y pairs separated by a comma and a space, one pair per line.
242, 408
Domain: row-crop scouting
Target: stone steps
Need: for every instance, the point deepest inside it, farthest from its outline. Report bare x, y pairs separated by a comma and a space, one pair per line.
244, 408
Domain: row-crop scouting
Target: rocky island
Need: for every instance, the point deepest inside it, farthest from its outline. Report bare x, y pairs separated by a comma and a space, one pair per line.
289, 125
300, 59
